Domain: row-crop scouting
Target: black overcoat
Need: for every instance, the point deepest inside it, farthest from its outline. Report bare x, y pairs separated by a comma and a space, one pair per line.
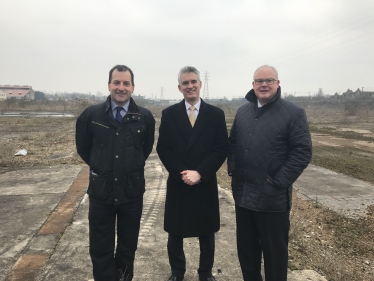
192, 211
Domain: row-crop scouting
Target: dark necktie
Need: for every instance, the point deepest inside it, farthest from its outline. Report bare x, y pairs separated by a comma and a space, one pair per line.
118, 115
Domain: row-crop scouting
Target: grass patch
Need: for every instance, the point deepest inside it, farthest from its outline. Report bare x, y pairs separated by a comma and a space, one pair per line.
341, 248
46, 137
354, 236
346, 160
7, 158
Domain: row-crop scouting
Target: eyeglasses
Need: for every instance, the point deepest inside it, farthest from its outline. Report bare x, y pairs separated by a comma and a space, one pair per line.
267, 81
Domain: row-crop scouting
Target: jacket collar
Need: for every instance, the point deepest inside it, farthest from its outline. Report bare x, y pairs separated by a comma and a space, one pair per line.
251, 96
133, 108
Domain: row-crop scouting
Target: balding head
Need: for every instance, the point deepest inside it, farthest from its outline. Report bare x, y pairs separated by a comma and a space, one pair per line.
265, 83
268, 66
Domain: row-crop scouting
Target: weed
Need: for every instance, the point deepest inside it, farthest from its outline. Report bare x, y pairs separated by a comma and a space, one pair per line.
24, 137
48, 134
316, 203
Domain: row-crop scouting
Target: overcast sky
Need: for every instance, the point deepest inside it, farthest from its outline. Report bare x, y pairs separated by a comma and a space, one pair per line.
69, 46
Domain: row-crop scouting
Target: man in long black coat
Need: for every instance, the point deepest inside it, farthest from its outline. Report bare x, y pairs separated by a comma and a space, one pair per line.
192, 145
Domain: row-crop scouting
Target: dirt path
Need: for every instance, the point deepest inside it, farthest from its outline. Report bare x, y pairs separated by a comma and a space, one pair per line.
329, 140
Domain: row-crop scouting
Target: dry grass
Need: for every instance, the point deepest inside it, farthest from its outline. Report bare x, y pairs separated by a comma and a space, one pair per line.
48, 141
7, 158
323, 240
346, 160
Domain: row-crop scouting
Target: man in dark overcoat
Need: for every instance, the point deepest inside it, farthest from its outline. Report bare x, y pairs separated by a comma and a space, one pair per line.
192, 145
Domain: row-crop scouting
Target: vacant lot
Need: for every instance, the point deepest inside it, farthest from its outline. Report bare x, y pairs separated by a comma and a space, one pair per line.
320, 239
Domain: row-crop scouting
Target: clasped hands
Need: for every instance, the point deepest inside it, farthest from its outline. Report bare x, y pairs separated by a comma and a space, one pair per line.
191, 177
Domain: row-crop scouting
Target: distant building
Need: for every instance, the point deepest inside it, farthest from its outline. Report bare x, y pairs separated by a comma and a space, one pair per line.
357, 95
2, 95
171, 102
217, 100
238, 101
157, 102
335, 97
18, 92
138, 97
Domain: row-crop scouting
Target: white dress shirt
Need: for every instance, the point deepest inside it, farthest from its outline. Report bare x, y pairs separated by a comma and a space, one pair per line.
197, 108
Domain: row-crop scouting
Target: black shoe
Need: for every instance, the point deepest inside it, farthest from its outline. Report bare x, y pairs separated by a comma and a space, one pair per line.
124, 276
207, 278
175, 278
127, 277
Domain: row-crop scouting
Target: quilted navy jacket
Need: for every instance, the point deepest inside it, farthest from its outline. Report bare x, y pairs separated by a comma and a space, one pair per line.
269, 149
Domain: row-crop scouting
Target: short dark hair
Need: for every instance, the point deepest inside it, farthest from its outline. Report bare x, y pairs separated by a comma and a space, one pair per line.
121, 68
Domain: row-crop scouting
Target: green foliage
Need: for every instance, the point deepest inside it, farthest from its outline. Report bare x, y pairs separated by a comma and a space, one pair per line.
39, 95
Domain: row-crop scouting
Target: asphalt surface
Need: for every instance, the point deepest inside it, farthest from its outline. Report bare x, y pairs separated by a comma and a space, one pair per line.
44, 226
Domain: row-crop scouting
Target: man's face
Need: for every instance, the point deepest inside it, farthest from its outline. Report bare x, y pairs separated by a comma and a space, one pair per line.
265, 91
190, 87
120, 87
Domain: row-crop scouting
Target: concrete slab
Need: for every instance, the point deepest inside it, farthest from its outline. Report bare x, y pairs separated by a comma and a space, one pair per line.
338, 192
71, 260
27, 197
38, 180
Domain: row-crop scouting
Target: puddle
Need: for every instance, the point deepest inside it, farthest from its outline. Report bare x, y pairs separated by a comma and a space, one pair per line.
36, 114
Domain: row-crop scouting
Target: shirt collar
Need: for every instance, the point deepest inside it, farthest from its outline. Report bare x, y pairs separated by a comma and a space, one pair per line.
197, 105
125, 107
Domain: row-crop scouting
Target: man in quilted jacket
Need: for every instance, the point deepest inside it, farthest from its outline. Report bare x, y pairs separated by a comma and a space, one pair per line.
270, 146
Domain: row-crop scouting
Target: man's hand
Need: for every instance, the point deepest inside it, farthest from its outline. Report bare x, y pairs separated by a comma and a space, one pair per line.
191, 177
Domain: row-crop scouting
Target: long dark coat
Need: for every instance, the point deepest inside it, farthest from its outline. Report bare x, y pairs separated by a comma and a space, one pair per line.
192, 211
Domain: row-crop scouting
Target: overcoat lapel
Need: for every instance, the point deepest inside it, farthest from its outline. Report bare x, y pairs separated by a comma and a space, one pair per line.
200, 124
181, 119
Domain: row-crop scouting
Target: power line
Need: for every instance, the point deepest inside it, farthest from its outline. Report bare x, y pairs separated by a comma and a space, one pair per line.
324, 51
327, 36
206, 88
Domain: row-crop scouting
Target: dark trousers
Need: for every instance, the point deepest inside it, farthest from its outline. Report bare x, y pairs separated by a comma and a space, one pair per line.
177, 259
264, 233
102, 224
